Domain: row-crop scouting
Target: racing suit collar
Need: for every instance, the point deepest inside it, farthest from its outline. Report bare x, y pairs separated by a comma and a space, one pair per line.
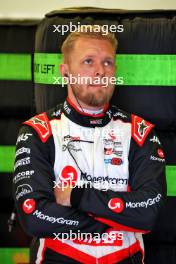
85, 119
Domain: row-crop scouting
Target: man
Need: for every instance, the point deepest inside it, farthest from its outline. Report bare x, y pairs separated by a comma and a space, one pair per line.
86, 170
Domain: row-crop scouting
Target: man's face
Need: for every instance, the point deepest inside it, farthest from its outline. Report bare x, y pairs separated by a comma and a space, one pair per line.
93, 58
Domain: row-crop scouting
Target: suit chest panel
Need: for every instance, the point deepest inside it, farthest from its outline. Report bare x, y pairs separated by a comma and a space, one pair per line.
96, 155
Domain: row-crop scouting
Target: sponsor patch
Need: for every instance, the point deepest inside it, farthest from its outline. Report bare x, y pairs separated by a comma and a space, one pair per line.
103, 179
112, 135
116, 205
53, 219
23, 175
116, 161
22, 162
113, 161
107, 161
120, 114
41, 124
28, 206
108, 151
67, 108
56, 113
22, 150
69, 175
160, 153
156, 159
145, 204
140, 129
96, 121
155, 139
23, 137
23, 190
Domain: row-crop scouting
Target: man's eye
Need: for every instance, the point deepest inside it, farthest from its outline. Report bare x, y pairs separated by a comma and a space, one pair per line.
108, 63
87, 61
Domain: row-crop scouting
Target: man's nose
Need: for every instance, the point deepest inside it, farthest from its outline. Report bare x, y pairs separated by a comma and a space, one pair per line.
99, 70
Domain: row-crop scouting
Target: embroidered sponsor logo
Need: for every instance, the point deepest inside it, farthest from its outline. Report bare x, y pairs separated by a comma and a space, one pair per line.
112, 144
22, 162
28, 206
113, 161
70, 147
160, 153
22, 150
109, 113
120, 114
118, 152
116, 205
69, 175
116, 161
23, 137
96, 122
108, 151
104, 179
23, 190
155, 139
156, 159
53, 220
112, 135
69, 140
107, 161
56, 113
23, 175
145, 204
67, 108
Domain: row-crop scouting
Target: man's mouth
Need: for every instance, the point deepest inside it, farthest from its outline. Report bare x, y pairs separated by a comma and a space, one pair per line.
96, 85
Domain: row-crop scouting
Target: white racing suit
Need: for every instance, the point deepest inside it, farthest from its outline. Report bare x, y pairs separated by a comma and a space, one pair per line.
116, 163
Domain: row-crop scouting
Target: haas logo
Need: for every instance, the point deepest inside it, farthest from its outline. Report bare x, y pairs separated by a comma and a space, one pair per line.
116, 205
69, 176
29, 206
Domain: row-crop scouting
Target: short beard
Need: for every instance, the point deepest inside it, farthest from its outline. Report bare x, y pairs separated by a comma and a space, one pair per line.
92, 99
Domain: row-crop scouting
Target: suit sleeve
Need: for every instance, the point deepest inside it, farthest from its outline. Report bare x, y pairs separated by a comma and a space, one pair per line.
137, 209
33, 182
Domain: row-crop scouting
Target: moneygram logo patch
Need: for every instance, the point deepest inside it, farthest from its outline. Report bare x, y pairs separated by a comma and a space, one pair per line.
145, 204
28, 206
160, 153
116, 205
69, 175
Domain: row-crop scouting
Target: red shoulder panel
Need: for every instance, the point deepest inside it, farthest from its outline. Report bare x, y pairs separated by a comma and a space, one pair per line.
42, 125
140, 129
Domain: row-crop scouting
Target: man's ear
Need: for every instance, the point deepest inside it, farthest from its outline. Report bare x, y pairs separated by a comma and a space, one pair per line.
63, 69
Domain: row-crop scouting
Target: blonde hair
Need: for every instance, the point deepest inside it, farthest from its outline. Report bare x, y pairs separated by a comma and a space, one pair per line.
87, 31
